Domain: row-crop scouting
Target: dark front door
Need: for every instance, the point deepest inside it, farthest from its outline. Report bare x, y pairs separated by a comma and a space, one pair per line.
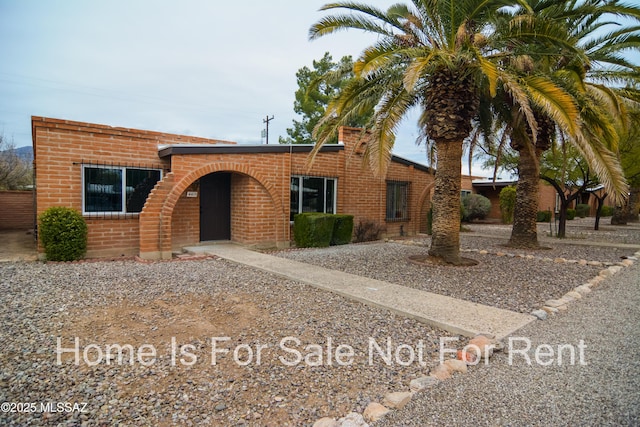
215, 207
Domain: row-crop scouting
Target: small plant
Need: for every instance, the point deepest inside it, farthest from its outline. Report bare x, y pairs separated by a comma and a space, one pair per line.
507, 203
342, 229
582, 210
367, 231
63, 232
544, 216
571, 214
606, 211
475, 206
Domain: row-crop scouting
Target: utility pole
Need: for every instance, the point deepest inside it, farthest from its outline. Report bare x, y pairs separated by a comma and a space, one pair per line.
267, 120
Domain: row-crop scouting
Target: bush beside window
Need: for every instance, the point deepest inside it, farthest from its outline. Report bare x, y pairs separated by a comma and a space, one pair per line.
63, 233
317, 230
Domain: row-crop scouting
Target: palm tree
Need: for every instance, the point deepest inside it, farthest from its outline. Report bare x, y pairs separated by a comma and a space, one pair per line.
600, 106
443, 57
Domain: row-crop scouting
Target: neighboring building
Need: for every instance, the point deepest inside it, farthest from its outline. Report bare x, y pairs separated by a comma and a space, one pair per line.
150, 193
547, 197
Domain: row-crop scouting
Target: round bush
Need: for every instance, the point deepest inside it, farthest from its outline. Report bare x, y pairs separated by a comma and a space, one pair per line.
63, 233
475, 206
507, 203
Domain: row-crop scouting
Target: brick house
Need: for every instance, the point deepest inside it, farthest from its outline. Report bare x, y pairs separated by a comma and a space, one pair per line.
149, 193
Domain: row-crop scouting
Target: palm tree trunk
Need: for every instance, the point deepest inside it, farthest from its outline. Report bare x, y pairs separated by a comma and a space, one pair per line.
445, 238
524, 233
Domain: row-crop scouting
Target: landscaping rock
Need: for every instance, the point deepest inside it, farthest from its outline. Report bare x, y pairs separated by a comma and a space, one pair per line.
483, 344
326, 422
441, 372
419, 384
455, 365
574, 294
540, 314
352, 419
397, 399
374, 411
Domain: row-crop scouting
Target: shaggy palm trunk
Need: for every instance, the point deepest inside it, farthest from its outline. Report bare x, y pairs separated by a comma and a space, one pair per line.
445, 238
524, 233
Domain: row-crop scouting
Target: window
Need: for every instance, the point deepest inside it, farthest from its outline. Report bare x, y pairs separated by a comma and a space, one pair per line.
465, 193
397, 201
311, 194
116, 189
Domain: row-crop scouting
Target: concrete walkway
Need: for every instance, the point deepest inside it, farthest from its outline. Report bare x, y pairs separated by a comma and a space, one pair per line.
451, 314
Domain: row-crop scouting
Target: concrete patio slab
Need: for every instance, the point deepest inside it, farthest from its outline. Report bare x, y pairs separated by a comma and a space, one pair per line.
451, 314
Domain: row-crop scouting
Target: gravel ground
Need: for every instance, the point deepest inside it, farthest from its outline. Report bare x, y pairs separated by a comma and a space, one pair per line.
511, 283
604, 392
189, 302
107, 303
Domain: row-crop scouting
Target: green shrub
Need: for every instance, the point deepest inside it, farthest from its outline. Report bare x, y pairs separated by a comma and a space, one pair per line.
606, 211
63, 233
571, 214
342, 229
544, 216
313, 230
507, 203
367, 231
430, 221
582, 210
475, 206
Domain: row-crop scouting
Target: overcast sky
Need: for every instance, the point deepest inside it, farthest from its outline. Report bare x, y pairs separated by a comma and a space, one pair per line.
207, 68
198, 67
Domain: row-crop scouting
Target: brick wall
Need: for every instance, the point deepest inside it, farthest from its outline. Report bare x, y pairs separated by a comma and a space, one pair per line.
16, 210
260, 186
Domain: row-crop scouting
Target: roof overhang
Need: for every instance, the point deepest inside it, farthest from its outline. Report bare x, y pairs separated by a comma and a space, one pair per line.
175, 149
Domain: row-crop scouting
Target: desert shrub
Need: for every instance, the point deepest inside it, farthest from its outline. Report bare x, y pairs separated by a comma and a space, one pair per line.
582, 210
475, 206
606, 211
63, 233
544, 216
571, 214
367, 231
313, 230
507, 203
342, 229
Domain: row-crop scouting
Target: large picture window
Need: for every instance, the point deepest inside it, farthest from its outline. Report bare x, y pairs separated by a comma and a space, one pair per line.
116, 189
312, 194
397, 201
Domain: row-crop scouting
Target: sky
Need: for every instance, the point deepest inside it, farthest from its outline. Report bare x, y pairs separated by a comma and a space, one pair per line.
214, 69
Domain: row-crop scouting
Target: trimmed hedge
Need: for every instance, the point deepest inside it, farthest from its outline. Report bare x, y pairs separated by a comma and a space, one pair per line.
63, 232
342, 229
319, 230
544, 216
582, 210
571, 214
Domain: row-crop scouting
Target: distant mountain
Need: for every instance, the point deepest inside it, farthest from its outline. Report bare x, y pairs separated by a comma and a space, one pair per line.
24, 152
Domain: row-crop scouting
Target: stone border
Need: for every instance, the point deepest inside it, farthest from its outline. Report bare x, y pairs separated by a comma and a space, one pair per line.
480, 347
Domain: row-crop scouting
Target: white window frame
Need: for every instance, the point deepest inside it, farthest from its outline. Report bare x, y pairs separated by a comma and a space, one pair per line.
123, 171
300, 179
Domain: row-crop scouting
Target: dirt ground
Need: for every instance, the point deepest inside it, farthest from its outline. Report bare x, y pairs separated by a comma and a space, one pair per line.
17, 245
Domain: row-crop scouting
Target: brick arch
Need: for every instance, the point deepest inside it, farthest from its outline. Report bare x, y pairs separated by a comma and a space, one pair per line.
171, 199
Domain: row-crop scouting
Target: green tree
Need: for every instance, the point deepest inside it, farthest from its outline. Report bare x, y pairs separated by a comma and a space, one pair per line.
316, 87
587, 77
444, 58
569, 175
629, 152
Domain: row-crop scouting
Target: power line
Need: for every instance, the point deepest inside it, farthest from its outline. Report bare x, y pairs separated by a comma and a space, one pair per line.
267, 120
